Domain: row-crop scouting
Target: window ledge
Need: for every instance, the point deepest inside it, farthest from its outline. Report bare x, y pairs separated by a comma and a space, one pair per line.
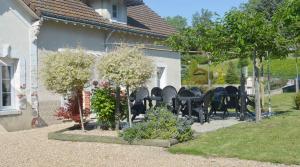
6, 112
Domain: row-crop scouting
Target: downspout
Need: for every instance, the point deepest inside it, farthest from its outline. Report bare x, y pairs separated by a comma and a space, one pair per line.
34, 32
107, 39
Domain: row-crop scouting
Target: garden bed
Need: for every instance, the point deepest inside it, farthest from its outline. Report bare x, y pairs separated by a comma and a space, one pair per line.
71, 134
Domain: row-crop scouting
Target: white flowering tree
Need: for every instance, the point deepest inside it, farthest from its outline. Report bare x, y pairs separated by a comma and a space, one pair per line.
66, 73
126, 66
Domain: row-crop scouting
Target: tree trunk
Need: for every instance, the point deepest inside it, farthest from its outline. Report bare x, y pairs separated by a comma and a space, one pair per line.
262, 84
269, 87
118, 113
129, 108
297, 81
80, 111
257, 91
243, 95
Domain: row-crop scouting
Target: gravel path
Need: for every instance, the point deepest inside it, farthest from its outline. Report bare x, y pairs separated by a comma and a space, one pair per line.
32, 148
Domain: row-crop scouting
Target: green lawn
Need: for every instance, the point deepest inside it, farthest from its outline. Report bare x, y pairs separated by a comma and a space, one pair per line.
273, 140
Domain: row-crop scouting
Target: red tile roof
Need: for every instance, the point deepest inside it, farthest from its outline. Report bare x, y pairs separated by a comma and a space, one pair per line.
141, 19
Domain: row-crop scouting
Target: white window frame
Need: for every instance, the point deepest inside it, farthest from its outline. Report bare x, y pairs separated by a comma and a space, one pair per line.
12, 106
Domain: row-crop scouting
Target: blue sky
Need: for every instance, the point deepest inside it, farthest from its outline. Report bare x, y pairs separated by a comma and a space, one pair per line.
187, 8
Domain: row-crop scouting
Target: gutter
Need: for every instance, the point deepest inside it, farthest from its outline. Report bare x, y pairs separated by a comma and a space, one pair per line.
49, 16
22, 3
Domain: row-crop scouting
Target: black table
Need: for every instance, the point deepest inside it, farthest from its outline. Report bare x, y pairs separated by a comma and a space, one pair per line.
155, 98
189, 103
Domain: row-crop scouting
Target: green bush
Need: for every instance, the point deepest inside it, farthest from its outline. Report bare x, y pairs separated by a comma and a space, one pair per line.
103, 103
159, 123
297, 101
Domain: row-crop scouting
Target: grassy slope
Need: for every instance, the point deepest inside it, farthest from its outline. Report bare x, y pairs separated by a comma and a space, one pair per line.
274, 140
284, 68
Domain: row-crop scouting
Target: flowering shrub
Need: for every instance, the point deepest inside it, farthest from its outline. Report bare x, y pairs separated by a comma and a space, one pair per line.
70, 111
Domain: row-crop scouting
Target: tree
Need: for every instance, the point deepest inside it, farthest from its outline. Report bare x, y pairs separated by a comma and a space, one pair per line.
178, 22
231, 76
66, 73
204, 18
267, 7
250, 36
287, 21
126, 66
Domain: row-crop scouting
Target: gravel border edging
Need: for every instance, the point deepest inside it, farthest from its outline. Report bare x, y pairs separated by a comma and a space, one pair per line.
59, 135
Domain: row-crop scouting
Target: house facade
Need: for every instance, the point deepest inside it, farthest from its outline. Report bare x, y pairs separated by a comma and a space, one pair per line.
31, 28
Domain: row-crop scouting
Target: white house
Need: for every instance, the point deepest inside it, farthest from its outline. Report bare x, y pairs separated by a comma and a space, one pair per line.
30, 28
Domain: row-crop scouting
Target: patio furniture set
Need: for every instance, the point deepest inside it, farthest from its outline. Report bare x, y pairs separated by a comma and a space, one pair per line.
188, 102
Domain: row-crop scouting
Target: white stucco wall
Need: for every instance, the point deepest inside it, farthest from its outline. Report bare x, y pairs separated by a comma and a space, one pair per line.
15, 30
15, 24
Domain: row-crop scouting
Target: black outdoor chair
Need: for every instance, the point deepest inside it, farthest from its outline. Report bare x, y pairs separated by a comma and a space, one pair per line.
140, 104
181, 89
232, 99
196, 106
196, 91
156, 92
219, 102
169, 95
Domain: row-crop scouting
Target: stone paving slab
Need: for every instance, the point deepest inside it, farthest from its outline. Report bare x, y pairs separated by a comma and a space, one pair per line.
214, 125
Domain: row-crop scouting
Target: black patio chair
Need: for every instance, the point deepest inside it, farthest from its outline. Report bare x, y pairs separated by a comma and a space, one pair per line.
196, 106
196, 91
140, 104
156, 92
232, 99
169, 95
181, 89
218, 102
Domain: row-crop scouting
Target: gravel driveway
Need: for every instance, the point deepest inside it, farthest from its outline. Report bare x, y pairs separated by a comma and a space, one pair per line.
32, 148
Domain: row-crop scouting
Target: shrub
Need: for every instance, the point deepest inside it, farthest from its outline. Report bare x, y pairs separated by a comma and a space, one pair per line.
297, 101
159, 123
103, 103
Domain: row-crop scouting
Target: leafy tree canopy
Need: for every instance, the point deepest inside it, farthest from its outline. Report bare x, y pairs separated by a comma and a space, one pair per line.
205, 17
179, 22
66, 71
127, 66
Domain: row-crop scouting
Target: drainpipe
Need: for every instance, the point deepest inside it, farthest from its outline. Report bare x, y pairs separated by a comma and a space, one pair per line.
34, 32
107, 39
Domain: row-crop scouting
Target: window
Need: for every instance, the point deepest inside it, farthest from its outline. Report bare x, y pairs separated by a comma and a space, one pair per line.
115, 11
6, 88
